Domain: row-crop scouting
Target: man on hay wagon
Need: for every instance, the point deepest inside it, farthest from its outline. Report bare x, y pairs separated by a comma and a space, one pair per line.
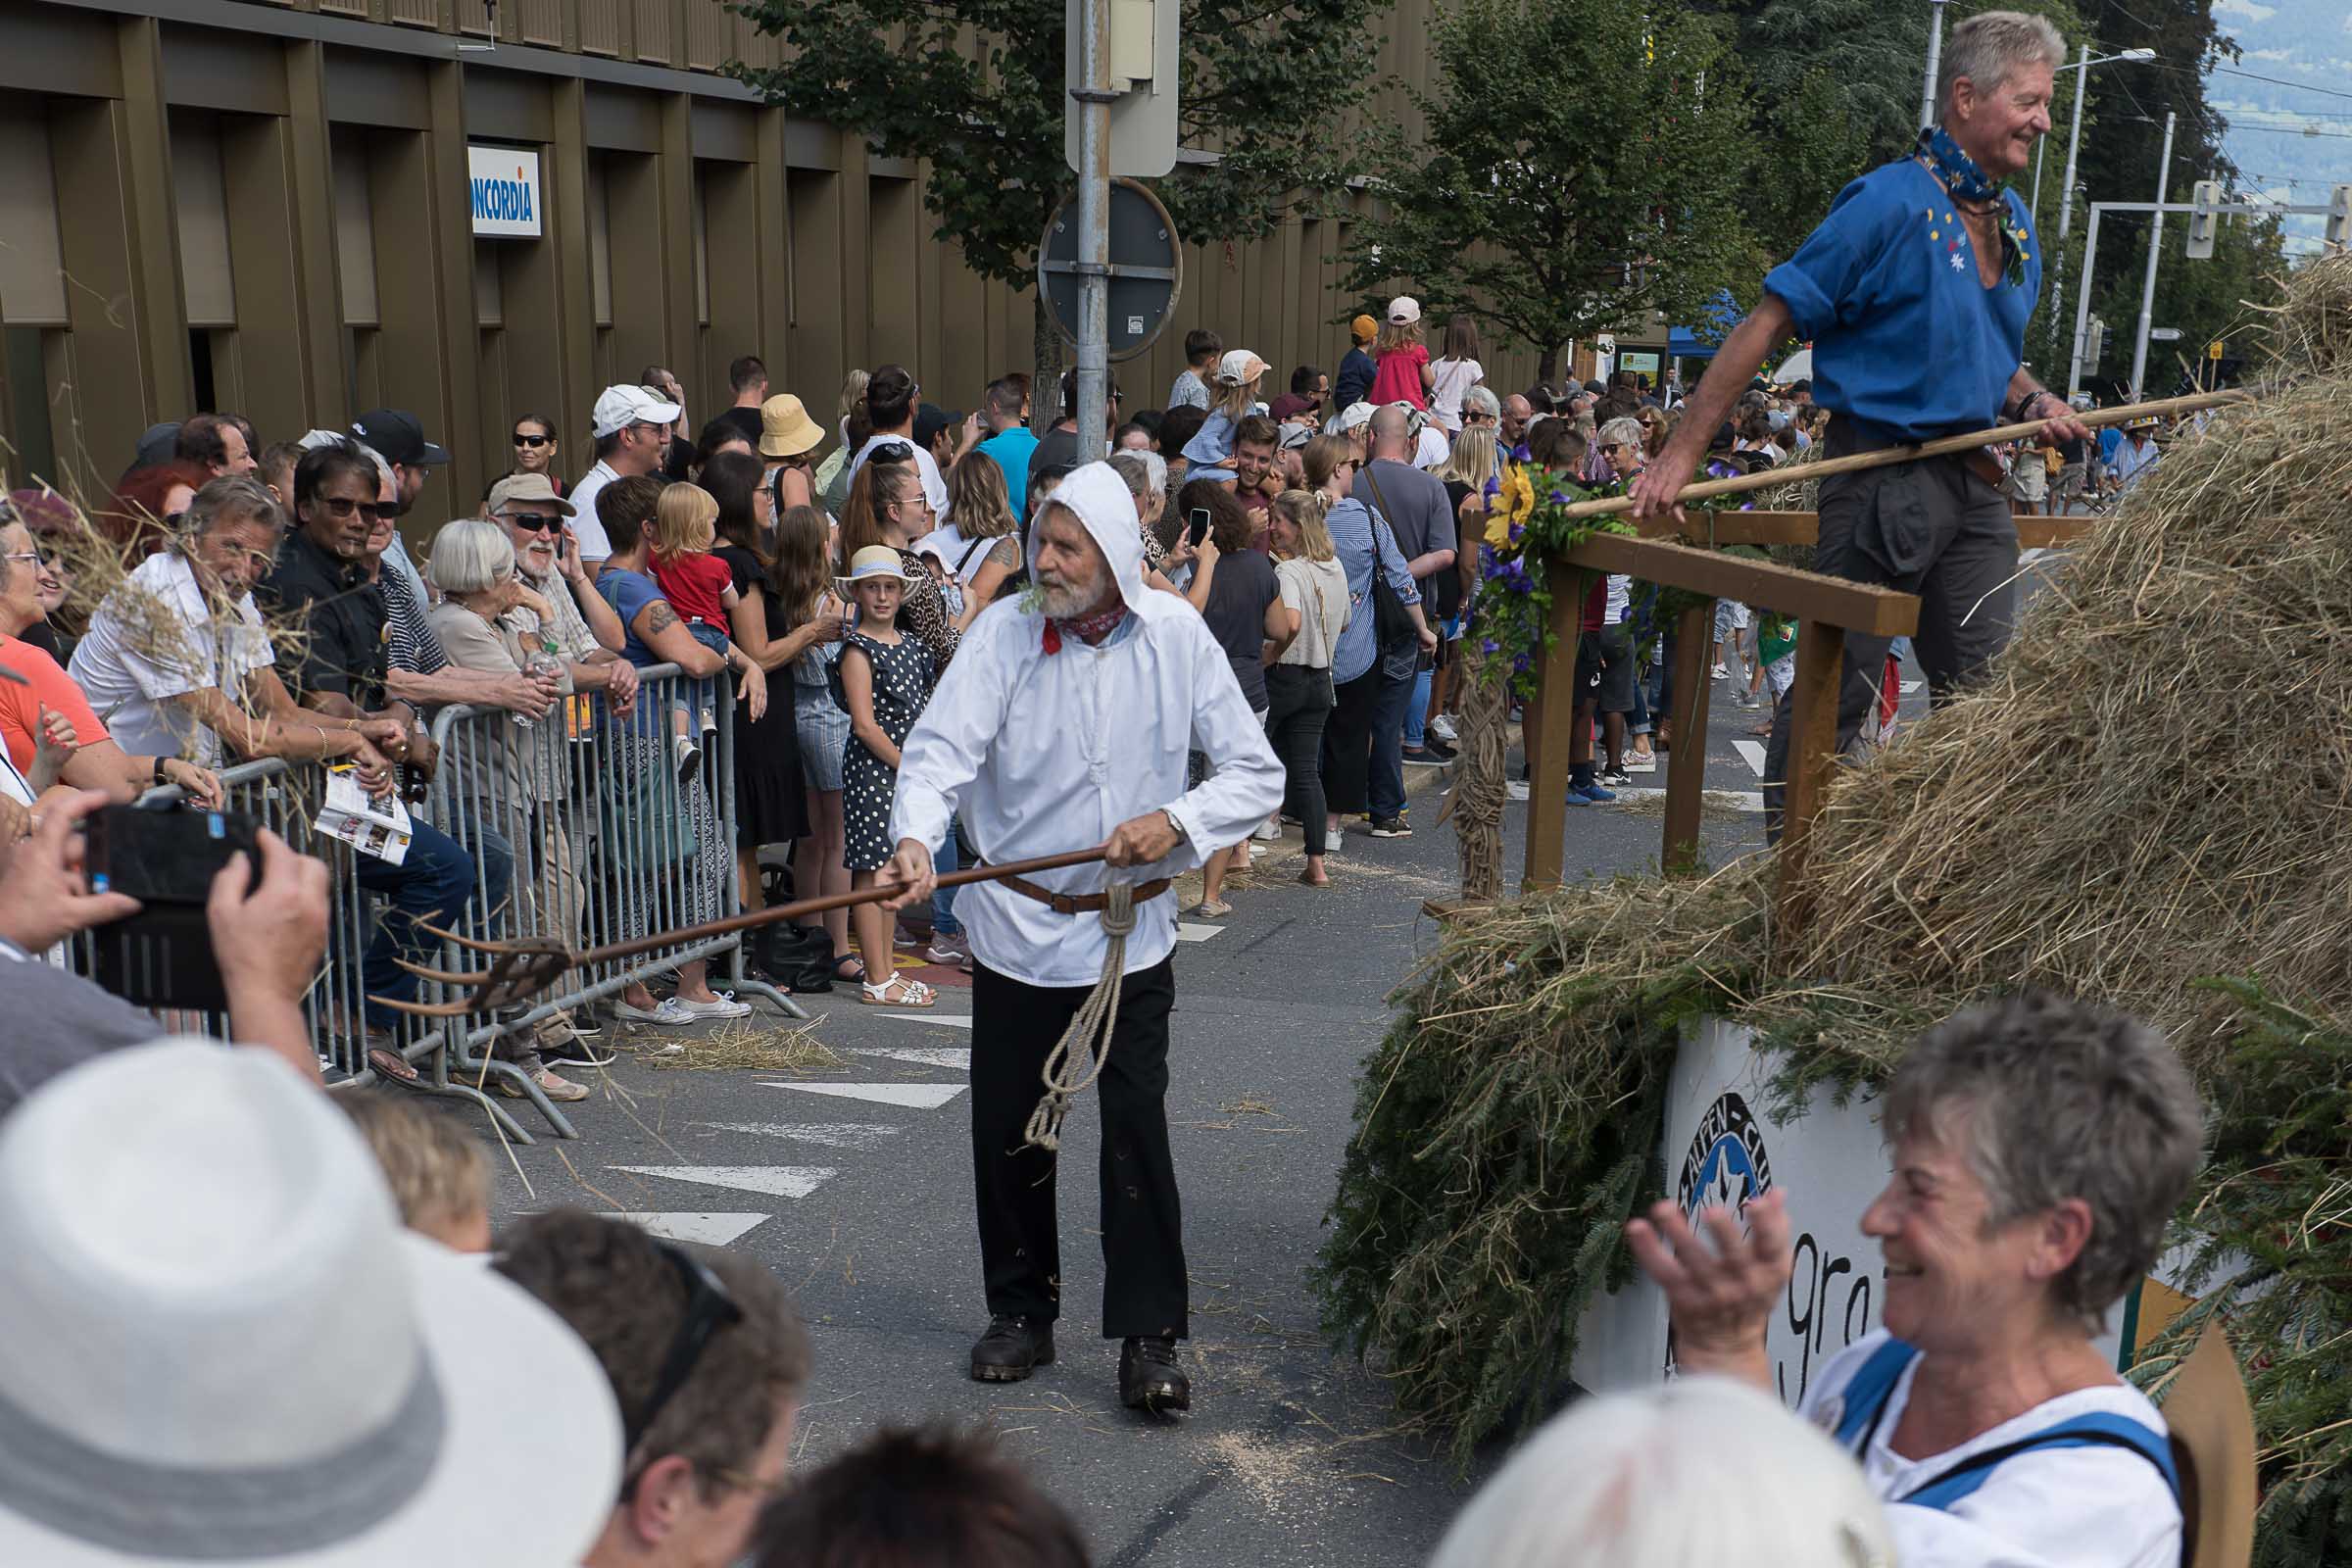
1915, 291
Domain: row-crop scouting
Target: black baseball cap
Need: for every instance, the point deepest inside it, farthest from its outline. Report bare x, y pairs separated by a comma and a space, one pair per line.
395, 436
930, 419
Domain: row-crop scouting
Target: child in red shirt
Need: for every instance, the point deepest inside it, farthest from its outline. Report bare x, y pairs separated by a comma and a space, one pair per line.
1402, 373
700, 589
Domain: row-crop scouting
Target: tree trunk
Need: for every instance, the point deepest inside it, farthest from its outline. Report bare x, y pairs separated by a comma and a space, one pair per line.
1044, 389
1546, 363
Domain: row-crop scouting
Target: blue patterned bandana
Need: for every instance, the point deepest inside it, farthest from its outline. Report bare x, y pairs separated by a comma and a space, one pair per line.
1952, 165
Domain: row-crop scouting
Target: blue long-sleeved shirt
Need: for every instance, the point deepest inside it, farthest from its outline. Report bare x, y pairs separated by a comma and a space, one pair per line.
1352, 538
1904, 334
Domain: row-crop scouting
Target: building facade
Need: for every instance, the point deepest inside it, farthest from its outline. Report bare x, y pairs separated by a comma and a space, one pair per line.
306, 210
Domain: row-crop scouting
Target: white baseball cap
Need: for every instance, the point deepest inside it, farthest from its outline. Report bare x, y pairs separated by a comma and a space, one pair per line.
228, 1351
622, 406
1404, 309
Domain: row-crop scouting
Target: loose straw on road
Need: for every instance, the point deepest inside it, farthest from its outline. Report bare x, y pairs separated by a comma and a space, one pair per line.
1768, 479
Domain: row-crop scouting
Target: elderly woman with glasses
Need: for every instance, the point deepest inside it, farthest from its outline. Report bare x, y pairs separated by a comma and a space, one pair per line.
2039, 1145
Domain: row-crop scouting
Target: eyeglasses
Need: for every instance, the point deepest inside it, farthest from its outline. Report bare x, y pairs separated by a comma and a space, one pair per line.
344, 507
533, 523
37, 557
534, 440
708, 1308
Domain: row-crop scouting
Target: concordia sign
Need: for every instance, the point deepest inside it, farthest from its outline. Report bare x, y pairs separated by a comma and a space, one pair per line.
505, 190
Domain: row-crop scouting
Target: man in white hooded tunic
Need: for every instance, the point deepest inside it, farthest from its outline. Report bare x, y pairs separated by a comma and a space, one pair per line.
1064, 723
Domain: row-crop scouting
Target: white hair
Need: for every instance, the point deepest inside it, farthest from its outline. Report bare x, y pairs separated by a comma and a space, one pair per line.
1622, 428
1991, 44
469, 557
1702, 1470
1481, 399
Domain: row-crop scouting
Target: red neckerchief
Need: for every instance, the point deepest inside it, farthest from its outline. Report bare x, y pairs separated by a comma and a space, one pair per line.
1088, 629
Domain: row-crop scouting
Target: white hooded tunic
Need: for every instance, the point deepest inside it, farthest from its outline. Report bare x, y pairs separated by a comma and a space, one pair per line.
1045, 752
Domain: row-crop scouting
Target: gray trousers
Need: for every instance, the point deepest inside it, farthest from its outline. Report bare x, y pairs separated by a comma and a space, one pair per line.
1930, 528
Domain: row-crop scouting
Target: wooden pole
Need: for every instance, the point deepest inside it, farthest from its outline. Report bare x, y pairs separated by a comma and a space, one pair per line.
1686, 761
1547, 753
1812, 752
1798, 473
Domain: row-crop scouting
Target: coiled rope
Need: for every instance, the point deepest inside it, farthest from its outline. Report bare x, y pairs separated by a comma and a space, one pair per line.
1066, 1076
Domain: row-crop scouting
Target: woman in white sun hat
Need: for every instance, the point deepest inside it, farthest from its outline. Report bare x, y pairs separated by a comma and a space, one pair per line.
244, 1361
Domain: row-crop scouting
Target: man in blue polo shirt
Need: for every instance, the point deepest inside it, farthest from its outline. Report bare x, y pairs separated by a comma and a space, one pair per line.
1010, 443
1915, 291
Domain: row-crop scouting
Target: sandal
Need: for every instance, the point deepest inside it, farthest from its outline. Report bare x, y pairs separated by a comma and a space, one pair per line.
910, 993
848, 966
1213, 908
391, 1065
1307, 880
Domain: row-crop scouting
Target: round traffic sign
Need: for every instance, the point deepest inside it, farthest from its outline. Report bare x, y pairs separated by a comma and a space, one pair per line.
1146, 269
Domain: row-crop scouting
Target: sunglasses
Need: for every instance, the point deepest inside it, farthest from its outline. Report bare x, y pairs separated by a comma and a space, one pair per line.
533, 523
344, 507
534, 440
708, 1308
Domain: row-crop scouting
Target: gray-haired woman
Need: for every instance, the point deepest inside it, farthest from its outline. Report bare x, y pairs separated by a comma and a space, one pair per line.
501, 774
2039, 1146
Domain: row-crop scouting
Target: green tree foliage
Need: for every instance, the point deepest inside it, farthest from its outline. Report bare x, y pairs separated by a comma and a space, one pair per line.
1587, 162
975, 88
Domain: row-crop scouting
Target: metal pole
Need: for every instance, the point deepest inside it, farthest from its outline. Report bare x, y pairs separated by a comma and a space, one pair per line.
2091, 251
2147, 284
1927, 90
2056, 256
2040, 151
1092, 98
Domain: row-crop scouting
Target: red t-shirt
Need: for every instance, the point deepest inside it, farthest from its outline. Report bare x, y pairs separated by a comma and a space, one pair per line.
1398, 377
695, 586
49, 687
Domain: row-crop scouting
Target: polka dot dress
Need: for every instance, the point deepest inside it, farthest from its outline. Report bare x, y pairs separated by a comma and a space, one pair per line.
901, 683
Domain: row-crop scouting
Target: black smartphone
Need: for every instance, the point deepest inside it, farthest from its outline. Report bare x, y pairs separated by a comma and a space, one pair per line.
1198, 530
163, 956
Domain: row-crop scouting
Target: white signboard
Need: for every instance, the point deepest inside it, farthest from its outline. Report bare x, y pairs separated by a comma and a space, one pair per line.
1721, 1148
505, 191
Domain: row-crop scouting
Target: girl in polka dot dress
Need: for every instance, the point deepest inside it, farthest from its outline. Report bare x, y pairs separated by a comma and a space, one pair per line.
885, 679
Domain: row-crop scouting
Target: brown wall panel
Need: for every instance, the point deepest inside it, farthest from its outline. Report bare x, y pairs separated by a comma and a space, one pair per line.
817, 351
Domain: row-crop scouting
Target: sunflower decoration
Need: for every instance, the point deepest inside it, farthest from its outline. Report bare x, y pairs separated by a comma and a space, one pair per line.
1510, 502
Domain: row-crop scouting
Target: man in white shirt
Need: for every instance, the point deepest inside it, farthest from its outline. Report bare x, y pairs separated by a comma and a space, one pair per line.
631, 425
890, 403
1057, 729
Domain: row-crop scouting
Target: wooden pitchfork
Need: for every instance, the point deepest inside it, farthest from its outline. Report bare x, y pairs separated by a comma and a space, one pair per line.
523, 968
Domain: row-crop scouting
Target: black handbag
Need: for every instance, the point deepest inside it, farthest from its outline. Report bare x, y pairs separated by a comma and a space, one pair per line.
1392, 623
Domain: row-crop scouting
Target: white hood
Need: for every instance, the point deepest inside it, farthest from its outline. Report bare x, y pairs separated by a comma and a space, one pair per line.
1103, 502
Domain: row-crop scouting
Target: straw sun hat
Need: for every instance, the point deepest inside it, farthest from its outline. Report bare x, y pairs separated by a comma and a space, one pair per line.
876, 560
225, 1350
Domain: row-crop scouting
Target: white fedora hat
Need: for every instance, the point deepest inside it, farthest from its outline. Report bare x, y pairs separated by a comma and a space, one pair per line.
223, 1350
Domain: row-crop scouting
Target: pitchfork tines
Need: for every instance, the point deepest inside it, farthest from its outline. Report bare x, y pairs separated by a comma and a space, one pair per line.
517, 972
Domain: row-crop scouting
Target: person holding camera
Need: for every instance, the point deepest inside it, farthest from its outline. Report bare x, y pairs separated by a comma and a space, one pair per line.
267, 939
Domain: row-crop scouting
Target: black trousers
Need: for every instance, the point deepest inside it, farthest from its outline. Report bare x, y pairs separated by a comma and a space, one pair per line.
1013, 1028
1300, 702
1935, 529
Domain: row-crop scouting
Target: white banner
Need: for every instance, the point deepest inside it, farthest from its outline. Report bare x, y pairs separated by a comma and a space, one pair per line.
505, 191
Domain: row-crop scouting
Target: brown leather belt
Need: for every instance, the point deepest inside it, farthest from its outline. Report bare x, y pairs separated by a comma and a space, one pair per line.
1079, 903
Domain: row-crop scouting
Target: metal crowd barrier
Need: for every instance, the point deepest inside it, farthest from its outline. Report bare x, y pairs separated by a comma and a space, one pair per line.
577, 826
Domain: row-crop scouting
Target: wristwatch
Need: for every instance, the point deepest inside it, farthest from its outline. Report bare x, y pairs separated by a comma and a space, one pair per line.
159, 776
1182, 837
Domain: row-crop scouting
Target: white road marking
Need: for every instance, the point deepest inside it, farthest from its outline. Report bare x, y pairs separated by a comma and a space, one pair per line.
959, 1057
1737, 799
950, 1020
1909, 687
831, 1133
1195, 931
704, 1230
1516, 788
1753, 750
920, 1096
776, 1181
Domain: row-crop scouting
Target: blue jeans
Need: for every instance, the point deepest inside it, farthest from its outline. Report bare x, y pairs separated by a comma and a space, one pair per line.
943, 899
1416, 712
1385, 788
494, 854
431, 887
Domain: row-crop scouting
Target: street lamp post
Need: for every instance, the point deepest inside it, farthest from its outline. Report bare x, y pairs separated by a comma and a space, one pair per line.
2074, 142
1927, 89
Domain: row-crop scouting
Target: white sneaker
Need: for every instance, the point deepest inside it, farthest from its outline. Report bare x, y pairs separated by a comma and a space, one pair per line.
1269, 830
1443, 728
668, 1010
722, 1005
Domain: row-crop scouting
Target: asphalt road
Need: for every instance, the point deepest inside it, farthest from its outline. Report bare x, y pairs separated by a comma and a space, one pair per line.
850, 1177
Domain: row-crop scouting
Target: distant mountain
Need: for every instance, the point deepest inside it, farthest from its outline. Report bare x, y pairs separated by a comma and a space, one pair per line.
2290, 135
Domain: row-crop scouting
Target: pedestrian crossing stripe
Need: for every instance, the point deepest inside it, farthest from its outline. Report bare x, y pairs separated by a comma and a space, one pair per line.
918, 1097
1753, 752
703, 1230
1196, 930
775, 1181
946, 1020
830, 1134
959, 1057
1730, 800
1909, 687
